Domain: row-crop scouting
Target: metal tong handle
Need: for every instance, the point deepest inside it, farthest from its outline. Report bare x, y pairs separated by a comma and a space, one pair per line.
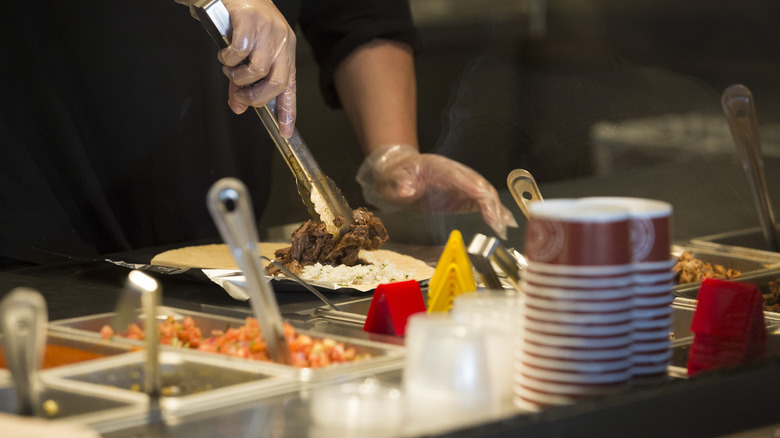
334, 311
524, 189
231, 209
308, 175
740, 110
142, 290
24, 317
484, 252
301, 282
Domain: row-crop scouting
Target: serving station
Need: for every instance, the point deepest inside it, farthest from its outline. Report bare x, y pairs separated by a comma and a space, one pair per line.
203, 394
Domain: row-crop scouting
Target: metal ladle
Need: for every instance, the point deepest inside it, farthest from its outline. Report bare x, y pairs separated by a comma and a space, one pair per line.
737, 102
24, 316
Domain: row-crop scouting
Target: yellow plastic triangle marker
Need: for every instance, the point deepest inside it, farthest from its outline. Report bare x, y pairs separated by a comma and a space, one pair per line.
451, 285
452, 277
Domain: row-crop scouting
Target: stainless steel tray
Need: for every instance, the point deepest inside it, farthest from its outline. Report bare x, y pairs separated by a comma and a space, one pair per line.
691, 291
678, 365
99, 407
748, 262
86, 344
749, 240
383, 356
191, 382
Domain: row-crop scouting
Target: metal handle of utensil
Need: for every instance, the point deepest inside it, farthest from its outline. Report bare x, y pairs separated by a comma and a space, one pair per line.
484, 252
24, 316
738, 105
509, 263
308, 175
141, 290
523, 188
231, 209
301, 282
480, 250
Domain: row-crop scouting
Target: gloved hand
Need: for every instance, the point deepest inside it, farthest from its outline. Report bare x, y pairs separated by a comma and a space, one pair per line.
401, 175
260, 60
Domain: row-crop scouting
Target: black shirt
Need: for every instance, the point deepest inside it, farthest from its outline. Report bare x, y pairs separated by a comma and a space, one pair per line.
115, 120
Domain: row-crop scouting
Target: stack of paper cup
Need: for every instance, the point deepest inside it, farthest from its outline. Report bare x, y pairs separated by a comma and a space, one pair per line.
651, 235
577, 318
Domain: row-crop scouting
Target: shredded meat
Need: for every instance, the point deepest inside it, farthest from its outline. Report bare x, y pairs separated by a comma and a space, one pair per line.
690, 269
312, 243
771, 294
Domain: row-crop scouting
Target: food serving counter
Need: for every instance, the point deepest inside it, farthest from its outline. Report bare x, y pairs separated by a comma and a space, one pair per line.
724, 402
279, 404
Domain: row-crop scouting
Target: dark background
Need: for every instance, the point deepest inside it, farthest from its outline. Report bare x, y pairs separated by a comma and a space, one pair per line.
595, 62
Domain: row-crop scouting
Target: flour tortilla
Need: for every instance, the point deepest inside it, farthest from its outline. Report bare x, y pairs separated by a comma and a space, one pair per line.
217, 256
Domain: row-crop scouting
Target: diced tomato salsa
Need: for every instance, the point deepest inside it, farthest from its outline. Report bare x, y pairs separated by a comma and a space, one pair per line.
245, 342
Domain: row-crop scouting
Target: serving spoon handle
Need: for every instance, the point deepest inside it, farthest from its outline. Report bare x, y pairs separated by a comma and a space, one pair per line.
740, 110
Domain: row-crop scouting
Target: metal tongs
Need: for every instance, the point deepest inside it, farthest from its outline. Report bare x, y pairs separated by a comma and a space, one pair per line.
231, 209
319, 194
24, 316
486, 252
523, 187
737, 102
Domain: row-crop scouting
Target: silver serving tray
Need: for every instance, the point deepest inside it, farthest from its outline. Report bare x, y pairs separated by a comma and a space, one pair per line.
191, 382
99, 407
750, 240
690, 292
748, 262
383, 356
88, 344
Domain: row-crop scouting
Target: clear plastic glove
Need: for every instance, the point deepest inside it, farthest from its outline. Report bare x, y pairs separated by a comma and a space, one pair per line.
400, 175
260, 60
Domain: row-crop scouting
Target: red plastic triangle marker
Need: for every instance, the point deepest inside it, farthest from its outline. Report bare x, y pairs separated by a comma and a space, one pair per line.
728, 326
391, 307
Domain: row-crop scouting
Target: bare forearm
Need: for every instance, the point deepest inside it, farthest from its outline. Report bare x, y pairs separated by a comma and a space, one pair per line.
376, 85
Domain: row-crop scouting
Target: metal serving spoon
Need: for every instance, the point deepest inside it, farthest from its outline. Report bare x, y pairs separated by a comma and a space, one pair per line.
143, 291
737, 102
24, 316
231, 209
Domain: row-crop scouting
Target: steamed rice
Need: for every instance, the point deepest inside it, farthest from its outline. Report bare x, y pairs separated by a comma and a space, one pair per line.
377, 272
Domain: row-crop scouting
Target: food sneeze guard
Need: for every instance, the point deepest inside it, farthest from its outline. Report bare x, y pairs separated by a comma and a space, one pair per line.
453, 275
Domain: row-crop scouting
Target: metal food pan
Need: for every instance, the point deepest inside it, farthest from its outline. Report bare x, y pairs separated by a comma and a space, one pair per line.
682, 315
751, 240
90, 346
190, 381
745, 261
73, 402
678, 365
760, 277
382, 356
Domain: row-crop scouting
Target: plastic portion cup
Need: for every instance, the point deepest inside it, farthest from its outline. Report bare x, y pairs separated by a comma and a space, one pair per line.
447, 374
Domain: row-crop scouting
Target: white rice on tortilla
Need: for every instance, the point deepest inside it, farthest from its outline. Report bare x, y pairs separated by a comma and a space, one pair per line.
378, 272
